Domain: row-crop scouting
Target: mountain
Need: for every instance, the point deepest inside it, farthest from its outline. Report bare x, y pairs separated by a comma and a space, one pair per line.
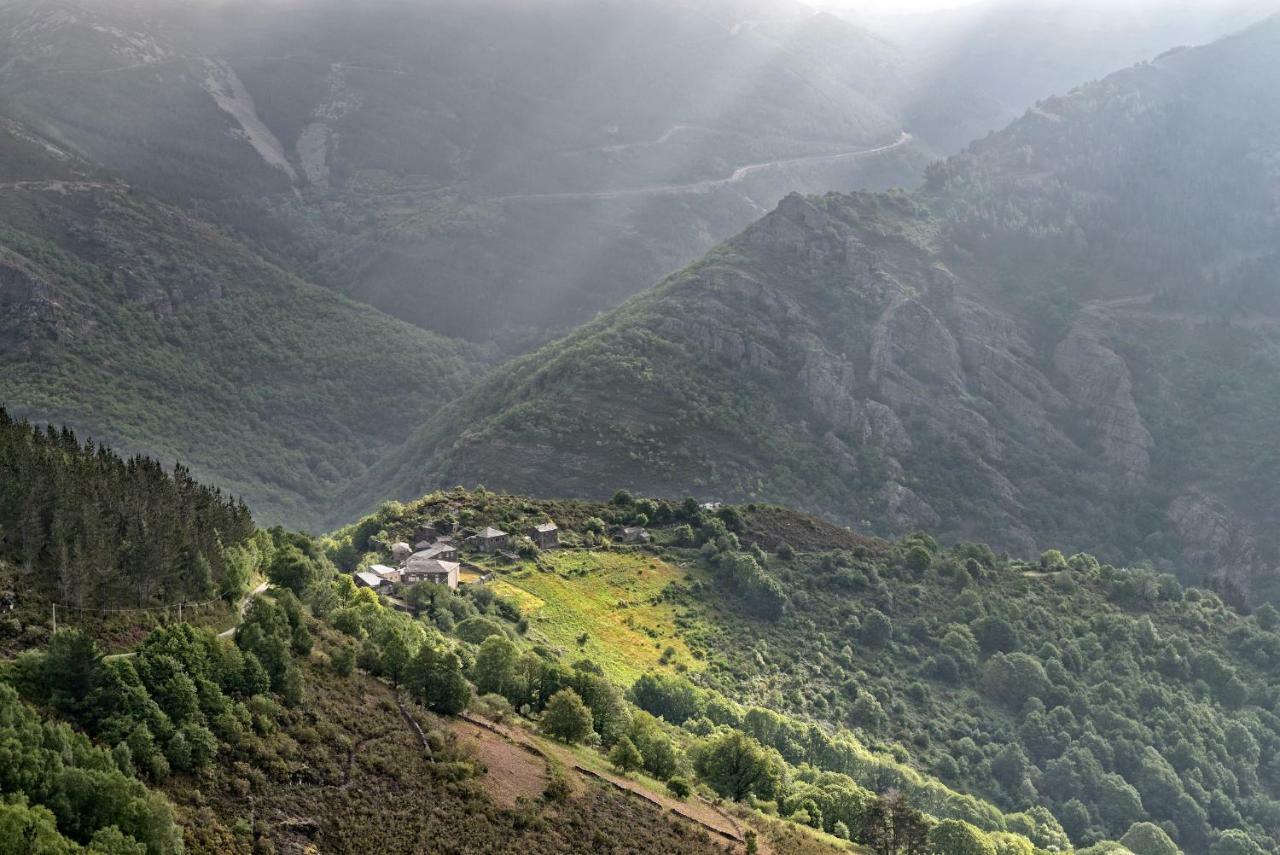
1067, 336
489, 170
152, 329
972, 69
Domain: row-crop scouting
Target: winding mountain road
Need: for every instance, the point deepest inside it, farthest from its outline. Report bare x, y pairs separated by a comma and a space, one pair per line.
708, 184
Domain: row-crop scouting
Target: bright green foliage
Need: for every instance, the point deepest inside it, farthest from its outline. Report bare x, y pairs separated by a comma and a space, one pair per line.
80, 783
1146, 838
476, 629
956, 837
736, 765
494, 668
625, 757
566, 717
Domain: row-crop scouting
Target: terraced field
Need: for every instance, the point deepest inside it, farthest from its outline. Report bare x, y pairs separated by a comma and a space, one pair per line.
616, 600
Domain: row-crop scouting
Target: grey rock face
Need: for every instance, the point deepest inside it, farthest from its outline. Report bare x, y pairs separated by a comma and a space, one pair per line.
1101, 387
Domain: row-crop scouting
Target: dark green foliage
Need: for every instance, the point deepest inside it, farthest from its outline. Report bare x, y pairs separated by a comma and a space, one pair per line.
673, 698
877, 629
678, 787
435, 678
1145, 838
291, 569
106, 532
1024, 689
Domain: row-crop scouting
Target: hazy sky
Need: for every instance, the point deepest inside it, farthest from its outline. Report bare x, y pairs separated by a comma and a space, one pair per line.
907, 6
878, 6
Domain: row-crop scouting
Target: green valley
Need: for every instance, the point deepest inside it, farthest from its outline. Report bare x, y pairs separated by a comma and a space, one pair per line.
153, 330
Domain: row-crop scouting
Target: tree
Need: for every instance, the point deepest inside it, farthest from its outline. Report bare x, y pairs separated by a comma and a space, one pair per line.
1267, 617
1235, 842
956, 837
678, 787
70, 670
344, 660
395, 658
494, 668
1147, 838
673, 698
291, 569
625, 757
1014, 678
435, 678
1052, 560
877, 629
566, 717
995, 635
736, 765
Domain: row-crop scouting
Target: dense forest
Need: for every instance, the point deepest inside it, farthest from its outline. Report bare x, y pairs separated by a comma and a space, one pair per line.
88, 529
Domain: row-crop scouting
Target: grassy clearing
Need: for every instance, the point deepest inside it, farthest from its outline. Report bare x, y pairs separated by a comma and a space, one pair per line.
613, 597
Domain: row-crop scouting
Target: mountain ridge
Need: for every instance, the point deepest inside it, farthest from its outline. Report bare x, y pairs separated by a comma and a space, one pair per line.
888, 352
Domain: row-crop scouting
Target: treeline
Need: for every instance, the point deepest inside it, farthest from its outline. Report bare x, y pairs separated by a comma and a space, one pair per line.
89, 529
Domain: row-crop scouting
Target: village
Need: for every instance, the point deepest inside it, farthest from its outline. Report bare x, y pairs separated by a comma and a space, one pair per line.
439, 556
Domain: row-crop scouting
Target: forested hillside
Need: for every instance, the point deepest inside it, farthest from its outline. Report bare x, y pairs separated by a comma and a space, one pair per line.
447, 161
759, 679
1085, 701
1066, 338
148, 328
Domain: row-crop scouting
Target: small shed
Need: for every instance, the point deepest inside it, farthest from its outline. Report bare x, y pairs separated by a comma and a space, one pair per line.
632, 534
390, 574
425, 532
491, 540
367, 579
400, 552
546, 536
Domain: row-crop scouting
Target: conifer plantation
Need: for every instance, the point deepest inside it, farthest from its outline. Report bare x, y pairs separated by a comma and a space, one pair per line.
88, 529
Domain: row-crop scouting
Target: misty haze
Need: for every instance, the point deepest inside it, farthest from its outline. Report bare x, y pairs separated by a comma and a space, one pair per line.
640, 426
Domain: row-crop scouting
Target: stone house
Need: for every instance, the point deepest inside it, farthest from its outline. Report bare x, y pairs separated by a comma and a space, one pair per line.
632, 534
431, 570
545, 536
491, 539
441, 551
